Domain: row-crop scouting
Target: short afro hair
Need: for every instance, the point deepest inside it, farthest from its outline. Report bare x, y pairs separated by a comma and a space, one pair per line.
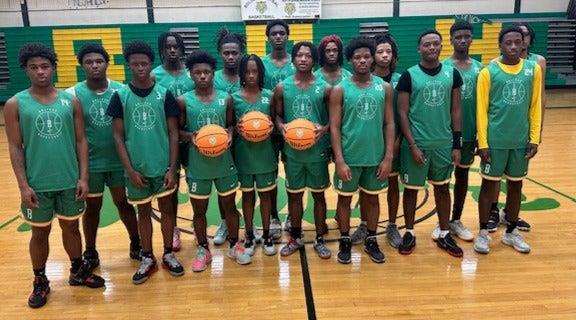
34, 50
322, 49
360, 42
427, 32
225, 36
277, 22
200, 56
461, 25
243, 65
138, 46
163, 38
92, 47
509, 29
529, 28
386, 37
313, 50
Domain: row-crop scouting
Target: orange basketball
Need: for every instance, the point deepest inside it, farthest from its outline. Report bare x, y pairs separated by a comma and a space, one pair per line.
300, 134
255, 126
212, 140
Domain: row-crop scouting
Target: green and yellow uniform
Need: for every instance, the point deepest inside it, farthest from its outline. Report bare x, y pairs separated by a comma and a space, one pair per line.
49, 143
177, 84
203, 171
344, 74
362, 121
221, 83
508, 116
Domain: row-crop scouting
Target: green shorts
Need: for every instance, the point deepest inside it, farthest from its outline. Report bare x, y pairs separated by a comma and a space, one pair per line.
437, 167
97, 181
154, 189
202, 188
467, 154
363, 178
395, 167
62, 204
263, 181
509, 163
311, 175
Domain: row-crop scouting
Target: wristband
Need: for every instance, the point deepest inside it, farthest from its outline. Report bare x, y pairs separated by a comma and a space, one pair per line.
456, 140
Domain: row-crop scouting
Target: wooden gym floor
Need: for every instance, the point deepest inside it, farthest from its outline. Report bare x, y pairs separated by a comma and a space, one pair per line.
429, 284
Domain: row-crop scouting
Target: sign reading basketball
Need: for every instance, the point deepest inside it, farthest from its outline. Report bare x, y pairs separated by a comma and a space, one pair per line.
280, 9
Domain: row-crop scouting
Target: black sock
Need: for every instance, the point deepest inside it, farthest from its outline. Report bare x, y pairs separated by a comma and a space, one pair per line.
167, 250
232, 241
274, 214
39, 272
494, 206
320, 237
295, 232
91, 250
249, 234
135, 241
371, 233
344, 234
76, 264
483, 226
147, 254
511, 226
266, 233
456, 213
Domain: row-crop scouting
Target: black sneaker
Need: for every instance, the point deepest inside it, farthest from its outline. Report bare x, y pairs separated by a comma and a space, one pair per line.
39, 294
345, 250
135, 251
92, 259
147, 267
84, 277
373, 250
448, 244
493, 221
408, 244
522, 225
170, 263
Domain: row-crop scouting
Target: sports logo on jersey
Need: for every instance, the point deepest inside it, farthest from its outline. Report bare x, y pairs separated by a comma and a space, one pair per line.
514, 92
278, 76
208, 116
366, 107
302, 106
177, 87
467, 88
434, 93
97, 112
49, 123
144, 116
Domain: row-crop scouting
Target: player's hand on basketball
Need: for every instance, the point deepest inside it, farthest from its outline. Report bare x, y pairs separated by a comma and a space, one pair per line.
531, 150
239, 126
456, 156
485, 155
230, 137
29, 197
137, 179
192, 137
343, 171
417, 154
283, 130
81, 189
169, 179
384, 169
320, 131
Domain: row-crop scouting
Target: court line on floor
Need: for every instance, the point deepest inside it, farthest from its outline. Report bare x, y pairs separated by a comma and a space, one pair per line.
310, 308
5, 224
551, 189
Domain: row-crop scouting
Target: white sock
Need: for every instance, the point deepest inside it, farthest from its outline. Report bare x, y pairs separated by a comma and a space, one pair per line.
410, 231
444, 233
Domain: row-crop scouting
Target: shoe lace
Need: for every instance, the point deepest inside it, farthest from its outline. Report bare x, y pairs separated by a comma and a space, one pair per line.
345, 244
39, 285
372, 244
222, 229
145, 264
170, 259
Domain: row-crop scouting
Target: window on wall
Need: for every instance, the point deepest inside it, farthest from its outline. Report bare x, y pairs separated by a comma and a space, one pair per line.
4, 71
191, 38
370, 29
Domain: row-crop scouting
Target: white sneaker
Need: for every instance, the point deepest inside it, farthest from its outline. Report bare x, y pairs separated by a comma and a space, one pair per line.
257, 236
287, 224
238, 254
268, 248
482, 244
275, 229
221, 233
436, 232
249, 246
458, 228
515, 240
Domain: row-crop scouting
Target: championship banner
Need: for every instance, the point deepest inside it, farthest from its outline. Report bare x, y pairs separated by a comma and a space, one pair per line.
280, 9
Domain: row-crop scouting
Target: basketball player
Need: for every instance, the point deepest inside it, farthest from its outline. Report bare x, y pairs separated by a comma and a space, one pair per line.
256, 161
509, 116
330, 58
145, 124
206, 105
360, 107
49, 156
172, 75
429, 112
104, 166
303, 95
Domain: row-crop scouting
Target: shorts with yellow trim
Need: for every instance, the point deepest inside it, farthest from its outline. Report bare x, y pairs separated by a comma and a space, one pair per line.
263, 181
395, 167
153, 189
61, 204
437, 167
300, 176
363, 178
97, 181
467, 154
201, 188
510, 163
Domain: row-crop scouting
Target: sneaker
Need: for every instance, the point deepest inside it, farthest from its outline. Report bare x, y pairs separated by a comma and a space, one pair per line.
147, 267
84, 277
287, 224
521, 225
393, 235
408, 244
135, 251
493, 221
92, 259
238, 254
515, 240
458, 228
275, 229
448, 244
257, 236
203, 258
345, 250
321, 248
170, 263
249, 246
482, 243
176, 243
373, 250
360, 234
268, 247
436, 232
221, 234
292, 246
39, 294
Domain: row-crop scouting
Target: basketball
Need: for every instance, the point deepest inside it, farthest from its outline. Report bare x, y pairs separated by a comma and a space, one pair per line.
300, 134
255, 126
212, 140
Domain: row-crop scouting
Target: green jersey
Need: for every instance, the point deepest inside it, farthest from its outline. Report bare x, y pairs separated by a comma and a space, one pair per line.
275, 74
362, 126
221, 83
430, 107
177, 84
307, 104
394, 78
532, 57
199, 114
98, 126
253, 157
510, 98
49, 142
468, 97
344, 74
146, 130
